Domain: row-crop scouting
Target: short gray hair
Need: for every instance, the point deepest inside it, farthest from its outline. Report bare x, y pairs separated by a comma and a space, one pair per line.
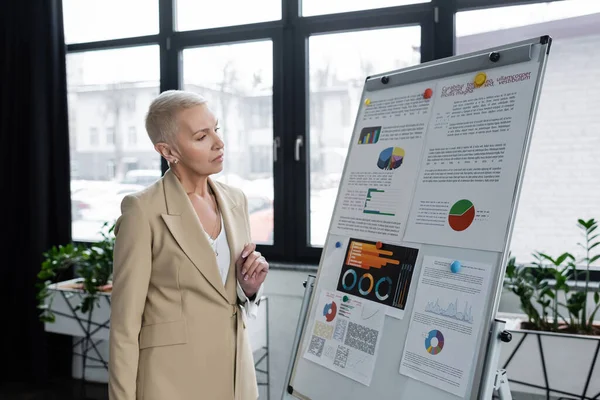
161, 120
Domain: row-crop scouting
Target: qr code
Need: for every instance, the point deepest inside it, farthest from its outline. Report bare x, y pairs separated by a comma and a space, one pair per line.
316, 346
361, 338
341, 357
323, 330
340, 330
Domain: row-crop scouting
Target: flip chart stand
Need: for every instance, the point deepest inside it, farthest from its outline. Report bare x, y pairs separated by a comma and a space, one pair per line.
494, 379
309, 284
501, 385
514, 71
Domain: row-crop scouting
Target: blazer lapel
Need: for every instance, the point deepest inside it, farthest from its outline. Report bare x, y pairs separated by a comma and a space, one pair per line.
184, 225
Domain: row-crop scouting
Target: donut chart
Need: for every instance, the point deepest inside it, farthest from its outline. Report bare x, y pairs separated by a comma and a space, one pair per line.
385, 279
329, 311
345, 284
430, 342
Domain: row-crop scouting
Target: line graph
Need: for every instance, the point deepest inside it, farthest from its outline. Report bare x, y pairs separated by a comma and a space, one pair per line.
451, 310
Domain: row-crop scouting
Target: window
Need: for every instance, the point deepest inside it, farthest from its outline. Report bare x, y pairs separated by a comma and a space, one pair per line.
239, 78
319, 7
100, 85
194, 14
130, 103
110, 169
560, 182
255, 63
93, 136
110, 136
132, 137
259, 112
338, 66
261, 159
89, 21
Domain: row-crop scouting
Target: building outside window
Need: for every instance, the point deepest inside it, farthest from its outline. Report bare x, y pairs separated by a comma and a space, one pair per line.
93, 136
132, 136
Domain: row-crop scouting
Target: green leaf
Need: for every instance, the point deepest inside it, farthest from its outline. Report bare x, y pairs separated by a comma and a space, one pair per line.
48, 319
594, 245
510, 270
595, 258
546, 257
562, 258
593, 315
596, 297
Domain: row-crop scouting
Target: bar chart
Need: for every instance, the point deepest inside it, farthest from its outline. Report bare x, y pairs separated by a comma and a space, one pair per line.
382, 201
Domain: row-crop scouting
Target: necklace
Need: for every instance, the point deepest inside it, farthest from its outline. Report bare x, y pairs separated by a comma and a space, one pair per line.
215, 232
213, 244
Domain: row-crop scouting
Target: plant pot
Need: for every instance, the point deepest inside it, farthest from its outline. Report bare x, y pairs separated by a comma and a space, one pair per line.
90, 331
548, 363
64, 298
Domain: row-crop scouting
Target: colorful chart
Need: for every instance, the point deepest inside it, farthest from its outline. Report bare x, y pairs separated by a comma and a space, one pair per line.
329, 311
434, 342
391, 158
369, 135
461, 215
366, 256
378, 271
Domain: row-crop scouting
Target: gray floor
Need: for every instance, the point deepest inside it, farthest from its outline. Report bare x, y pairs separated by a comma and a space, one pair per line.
527, 396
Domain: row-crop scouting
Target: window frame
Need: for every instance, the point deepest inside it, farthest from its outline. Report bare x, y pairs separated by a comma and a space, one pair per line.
290, 99
410, 15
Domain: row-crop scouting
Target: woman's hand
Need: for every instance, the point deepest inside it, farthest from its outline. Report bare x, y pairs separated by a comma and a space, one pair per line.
251, 269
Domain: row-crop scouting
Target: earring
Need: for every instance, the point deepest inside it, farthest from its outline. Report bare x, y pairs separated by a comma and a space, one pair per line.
175, 161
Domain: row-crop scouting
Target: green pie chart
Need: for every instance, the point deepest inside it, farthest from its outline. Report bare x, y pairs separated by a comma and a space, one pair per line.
461, 215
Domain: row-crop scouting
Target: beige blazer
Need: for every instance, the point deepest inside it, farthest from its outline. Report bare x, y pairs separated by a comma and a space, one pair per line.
176, 332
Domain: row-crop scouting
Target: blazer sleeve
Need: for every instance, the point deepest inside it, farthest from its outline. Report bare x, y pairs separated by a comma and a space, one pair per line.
250, 306
132, 262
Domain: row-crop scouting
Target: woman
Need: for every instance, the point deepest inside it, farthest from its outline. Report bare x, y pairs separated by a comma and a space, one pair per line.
184, 270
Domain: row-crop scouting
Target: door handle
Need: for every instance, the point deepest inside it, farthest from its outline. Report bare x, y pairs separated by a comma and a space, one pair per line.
276, 144
298, 144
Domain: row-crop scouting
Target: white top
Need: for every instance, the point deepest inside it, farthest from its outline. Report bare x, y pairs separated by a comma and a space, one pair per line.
221, 247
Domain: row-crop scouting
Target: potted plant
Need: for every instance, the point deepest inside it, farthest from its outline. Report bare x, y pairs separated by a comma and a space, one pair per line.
79, 307
555, 342
92, 265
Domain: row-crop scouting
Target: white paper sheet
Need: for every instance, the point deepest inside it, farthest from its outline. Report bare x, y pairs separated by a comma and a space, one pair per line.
445, 324
471, 159
345, 335
383, 164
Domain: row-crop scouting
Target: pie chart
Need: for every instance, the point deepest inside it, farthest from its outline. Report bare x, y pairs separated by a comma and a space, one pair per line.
390, 158
461, 215
434, 342
329, 311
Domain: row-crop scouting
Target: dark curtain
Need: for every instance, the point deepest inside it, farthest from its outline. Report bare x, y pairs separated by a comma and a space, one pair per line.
35, 182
